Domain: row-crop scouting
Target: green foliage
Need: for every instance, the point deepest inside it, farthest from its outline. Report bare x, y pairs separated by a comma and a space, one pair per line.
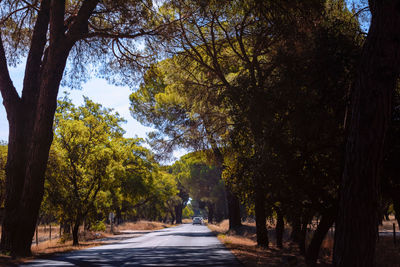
266, 84
188, 212
99, 226
202, 181
82, 161
93, 170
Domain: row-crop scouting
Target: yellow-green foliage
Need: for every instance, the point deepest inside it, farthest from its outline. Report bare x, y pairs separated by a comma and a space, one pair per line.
188, 212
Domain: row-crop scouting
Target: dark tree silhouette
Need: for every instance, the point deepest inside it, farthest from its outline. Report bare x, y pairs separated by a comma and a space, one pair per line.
370, 113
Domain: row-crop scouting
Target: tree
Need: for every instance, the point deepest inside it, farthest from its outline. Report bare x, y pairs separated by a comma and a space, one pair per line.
47, 32
203, 183
181, 106
369, 116
391, 179
258, 56
188, 211
86, 161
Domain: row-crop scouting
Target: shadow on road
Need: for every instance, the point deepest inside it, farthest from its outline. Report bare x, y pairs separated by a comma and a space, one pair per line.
160, 256
189, 234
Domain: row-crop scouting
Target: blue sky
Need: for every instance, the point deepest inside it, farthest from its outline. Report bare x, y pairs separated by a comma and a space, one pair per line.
98, 90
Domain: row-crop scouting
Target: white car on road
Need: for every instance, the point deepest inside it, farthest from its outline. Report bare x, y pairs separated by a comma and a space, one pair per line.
197, 220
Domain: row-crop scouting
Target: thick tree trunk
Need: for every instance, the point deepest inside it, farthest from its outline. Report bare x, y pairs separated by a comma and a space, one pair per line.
261, 220
279, 228
31, 118
172, 216
302, 237
235, 220
396, 207
356, 227
326, 222
66, 226
118, 216
178, 212
14, 179
296, 229
27, 181
231, 199
75, 233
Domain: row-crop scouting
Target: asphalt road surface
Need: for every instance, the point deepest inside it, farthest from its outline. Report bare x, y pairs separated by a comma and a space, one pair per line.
184, 245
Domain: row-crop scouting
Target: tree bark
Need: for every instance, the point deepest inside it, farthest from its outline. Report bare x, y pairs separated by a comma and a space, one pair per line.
66, 226
302, 237
396, 207
356, 227
235, 220
279, 228
261, 219
75, 233
327, 220
231, 199
296, 228
31, 120
178, 212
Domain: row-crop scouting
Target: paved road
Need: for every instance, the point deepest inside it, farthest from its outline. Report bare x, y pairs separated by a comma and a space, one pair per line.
184, 245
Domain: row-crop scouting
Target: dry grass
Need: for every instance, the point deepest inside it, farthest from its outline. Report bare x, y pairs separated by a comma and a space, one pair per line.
55, 246
386, 253
243, 245
187, 221
388, 225
44, 233
142, 225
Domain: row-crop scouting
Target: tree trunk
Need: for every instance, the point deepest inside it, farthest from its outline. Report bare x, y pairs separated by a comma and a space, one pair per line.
235, 220
296, 229
396, 207
279, 228
118, 216
25, 182
172, 216
302, 237
356, 230
178, 212
231, 199
261, 219
66, 228
327, 220
31, 119
75, 234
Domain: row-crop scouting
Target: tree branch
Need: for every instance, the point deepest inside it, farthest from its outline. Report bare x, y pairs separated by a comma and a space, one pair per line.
118, 35
79, 25
8, 91
57, 12
34, 61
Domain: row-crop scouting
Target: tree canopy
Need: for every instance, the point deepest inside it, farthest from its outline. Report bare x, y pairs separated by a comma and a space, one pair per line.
289, 111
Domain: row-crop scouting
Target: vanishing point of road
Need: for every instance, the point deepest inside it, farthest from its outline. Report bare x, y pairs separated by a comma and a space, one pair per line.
183, 245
